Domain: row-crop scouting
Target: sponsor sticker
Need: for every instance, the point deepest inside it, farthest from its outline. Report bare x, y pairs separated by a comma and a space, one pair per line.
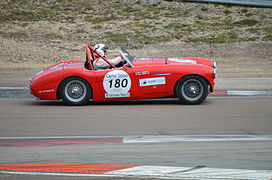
182, 60
145, 59
46, 91
117, 83
142, 73
152, 81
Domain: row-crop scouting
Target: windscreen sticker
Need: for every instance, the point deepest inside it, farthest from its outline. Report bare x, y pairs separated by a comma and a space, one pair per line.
117, 83
152, 81
182, 60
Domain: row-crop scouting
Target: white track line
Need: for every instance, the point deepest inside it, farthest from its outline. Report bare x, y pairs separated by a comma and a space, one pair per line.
195, 138
249, 93
13, 88
160, 139
192, 172
168, 172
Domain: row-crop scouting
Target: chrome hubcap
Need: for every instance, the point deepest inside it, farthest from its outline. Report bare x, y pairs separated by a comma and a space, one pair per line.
75, 90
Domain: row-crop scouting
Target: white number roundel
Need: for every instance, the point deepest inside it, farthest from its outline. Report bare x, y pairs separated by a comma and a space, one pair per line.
117, 83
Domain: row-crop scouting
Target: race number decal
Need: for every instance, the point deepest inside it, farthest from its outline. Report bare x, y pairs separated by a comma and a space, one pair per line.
117, 84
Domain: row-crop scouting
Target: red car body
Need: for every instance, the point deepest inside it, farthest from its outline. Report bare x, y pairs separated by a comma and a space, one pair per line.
145, 78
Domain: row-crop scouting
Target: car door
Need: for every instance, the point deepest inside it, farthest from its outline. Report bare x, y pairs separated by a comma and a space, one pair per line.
117, 84
153, 81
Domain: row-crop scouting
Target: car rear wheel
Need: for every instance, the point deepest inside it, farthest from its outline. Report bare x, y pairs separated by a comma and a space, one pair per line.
192, 90
75, 91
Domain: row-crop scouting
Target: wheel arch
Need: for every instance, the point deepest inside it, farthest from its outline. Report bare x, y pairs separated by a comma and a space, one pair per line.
208, 82
58, 88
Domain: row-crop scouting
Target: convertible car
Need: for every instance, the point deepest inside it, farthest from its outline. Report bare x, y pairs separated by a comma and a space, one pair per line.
77, 82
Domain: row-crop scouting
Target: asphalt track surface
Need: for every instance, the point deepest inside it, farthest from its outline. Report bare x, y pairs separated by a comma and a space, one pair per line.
166, 118
226, 115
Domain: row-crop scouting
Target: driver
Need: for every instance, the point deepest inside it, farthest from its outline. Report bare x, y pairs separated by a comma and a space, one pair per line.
99, 63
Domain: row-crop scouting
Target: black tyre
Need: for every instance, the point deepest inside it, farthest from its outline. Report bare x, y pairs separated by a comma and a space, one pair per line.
192, 89
75, 91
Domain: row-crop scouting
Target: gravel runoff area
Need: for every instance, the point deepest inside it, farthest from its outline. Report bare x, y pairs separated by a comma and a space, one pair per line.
237, 60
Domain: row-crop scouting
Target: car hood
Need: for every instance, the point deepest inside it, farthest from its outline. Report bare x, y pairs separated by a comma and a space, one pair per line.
171, 61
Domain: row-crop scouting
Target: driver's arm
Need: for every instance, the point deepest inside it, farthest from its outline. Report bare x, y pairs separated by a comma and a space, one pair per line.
117, 60
101, 64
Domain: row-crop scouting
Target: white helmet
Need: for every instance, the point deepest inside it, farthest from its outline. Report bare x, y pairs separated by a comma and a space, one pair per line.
101, 49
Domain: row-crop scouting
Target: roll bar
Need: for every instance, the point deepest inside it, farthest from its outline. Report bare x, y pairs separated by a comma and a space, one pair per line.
90, 57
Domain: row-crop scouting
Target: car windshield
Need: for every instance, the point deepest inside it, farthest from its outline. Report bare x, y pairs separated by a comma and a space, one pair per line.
127, 56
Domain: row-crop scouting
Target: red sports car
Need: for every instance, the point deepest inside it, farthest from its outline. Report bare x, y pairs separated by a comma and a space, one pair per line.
76, 82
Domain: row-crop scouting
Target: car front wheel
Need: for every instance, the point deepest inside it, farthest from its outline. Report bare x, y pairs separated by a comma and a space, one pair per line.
75, 91
192, 90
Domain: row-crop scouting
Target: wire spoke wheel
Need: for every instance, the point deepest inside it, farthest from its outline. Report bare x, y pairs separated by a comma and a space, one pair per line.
75, 91
192, 89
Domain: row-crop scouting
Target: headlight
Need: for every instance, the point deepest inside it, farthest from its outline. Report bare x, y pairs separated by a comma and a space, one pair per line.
214, 72
214, 69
